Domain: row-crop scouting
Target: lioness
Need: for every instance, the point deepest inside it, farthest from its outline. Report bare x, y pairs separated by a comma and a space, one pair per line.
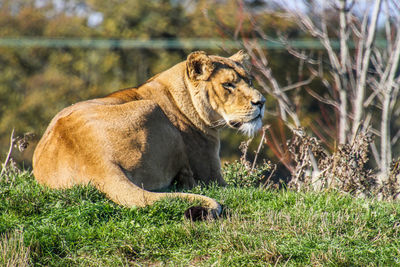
139, 140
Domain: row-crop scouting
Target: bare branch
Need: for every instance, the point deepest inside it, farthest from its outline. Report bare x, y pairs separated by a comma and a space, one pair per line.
298, 84
321, 99
344, 36
283, 101
296, 53
375, 153
388, 29
387, 86
395, 93
360, 90
395, 138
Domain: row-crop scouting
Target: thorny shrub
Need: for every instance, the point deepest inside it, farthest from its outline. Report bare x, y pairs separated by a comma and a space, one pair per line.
391, 188
345, 170
305, 150
9, 166
243, 173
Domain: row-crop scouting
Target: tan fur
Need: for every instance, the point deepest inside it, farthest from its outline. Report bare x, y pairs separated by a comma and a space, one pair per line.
139, 140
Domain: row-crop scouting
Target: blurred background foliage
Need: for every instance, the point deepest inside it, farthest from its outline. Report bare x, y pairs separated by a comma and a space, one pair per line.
37, 82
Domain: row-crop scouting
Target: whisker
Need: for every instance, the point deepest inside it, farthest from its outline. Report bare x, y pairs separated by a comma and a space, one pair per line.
218, 123
246, 114
238, 116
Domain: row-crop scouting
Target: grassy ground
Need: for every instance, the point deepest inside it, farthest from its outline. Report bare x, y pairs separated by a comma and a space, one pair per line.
260, 227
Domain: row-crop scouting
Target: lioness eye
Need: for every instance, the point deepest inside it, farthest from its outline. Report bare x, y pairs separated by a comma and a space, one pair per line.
228, 86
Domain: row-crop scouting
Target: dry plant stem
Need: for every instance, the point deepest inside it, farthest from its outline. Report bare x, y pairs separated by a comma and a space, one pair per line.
8, 155
263, 133
244, 146
270, 176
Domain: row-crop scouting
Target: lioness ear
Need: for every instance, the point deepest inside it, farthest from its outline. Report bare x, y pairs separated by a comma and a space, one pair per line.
240, 57
199, 66
243, 58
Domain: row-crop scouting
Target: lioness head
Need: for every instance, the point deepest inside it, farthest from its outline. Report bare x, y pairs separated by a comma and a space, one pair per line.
222, 91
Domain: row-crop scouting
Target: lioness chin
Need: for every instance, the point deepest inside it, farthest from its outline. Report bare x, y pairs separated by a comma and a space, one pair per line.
143, 139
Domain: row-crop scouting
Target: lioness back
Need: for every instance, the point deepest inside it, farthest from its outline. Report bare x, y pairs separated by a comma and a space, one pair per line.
138, 140
90, 125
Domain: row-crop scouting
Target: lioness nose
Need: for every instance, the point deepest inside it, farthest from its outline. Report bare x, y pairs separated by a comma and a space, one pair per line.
259, 102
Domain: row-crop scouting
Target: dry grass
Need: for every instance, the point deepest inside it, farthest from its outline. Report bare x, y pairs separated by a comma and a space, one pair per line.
13, 252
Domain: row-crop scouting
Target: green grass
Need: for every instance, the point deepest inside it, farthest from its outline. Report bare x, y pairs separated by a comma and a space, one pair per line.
260, 227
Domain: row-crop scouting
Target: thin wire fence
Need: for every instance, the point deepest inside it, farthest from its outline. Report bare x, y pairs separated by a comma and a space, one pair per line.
185, 43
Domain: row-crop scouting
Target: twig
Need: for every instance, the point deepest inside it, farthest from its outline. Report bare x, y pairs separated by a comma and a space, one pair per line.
321, 99
270, 175
264, 129
298, 84
8, 155
395, 138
